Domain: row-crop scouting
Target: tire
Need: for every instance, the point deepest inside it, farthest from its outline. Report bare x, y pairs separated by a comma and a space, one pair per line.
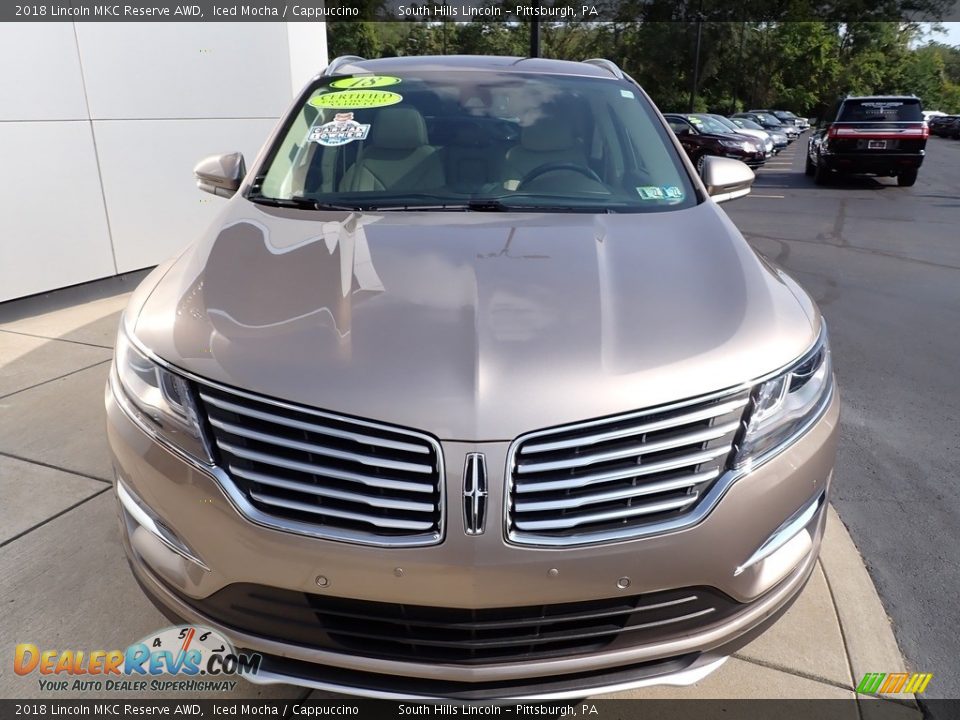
907, 178
809, 168
699, 164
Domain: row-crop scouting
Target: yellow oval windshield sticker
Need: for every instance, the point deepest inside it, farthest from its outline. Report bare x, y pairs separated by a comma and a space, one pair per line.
356, 99
365, 81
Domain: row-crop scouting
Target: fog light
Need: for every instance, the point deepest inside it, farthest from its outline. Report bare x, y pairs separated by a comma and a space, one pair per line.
147, 519
791, 536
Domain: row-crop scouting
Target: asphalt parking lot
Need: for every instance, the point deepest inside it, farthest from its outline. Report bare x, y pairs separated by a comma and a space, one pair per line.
883, 262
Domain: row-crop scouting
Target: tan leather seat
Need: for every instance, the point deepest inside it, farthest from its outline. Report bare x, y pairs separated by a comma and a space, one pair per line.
397, 156
546, 141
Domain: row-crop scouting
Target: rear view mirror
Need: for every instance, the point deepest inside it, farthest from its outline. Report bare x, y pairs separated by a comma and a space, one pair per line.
221, 174
726, 178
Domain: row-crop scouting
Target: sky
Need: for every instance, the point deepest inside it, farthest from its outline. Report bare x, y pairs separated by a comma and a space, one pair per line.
951, 38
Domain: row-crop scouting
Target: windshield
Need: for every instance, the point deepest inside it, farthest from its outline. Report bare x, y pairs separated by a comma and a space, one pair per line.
475, 141
768, 119
746, 123
705, 123
728, 124
784, 115
881, 110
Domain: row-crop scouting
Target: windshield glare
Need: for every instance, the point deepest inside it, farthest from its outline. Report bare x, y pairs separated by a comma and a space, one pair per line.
880, 110
710, 125
769, 120
455, 140
749, 124
728, 124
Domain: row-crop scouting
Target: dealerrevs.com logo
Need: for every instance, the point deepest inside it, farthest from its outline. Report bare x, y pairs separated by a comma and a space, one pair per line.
189, 658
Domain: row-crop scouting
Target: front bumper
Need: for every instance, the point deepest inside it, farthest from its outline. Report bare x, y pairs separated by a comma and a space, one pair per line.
753, 159
478, 572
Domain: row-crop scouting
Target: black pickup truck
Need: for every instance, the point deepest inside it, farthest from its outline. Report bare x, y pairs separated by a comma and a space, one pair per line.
875, 135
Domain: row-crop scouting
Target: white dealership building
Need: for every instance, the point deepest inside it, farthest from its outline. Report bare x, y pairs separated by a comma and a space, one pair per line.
102, 123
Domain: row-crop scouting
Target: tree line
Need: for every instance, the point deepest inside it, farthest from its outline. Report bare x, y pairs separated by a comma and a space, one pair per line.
800, 66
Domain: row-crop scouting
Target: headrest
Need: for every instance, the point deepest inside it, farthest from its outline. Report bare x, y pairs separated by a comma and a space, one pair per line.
547, 135
399, 129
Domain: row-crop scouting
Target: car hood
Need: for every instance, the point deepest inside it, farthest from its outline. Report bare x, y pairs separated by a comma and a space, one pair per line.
475, 326
758, 134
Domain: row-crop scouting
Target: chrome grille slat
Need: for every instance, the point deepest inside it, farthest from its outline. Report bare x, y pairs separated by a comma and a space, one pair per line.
319, 449
619, 477
370, 481
687, 481
571, 521
308, 489
308, 471
630, 472
635, 450
313, 427
635, 430
333, 512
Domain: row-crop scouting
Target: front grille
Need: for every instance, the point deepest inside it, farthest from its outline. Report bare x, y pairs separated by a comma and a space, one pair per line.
452, 635
614, 478
329, 475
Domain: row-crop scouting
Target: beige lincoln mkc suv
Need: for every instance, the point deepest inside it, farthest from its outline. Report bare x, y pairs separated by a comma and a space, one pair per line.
472, 390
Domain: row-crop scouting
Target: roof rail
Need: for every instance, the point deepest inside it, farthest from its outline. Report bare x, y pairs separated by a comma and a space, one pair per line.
339, 62
607, 65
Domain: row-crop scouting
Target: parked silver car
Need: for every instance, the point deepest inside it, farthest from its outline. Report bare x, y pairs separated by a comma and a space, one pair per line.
456, 399
779, 139
762, 135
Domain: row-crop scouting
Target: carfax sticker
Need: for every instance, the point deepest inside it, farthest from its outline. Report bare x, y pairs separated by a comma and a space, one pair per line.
365, 81
356, 99
655, 192
341, 130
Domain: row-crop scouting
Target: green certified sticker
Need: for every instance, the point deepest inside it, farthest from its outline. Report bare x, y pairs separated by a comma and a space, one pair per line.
364, 81
662, 192
356, 99
650, 192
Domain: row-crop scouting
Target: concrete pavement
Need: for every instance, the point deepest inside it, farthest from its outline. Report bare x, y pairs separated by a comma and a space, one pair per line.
66, 584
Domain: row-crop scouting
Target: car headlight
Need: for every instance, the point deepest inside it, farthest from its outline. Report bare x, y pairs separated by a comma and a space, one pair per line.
739, 144
783, 406
160, 400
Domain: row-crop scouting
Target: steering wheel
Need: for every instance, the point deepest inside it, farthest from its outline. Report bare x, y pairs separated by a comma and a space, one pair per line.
554, 166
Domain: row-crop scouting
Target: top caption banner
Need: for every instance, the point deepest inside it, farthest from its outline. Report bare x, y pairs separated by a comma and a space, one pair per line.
551, 11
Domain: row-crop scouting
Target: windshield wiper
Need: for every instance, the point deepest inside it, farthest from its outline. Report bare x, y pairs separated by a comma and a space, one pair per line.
300, 203
489, 204
470, 205
440, 203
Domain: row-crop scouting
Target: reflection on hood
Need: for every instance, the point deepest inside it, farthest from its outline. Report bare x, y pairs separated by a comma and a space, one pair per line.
298, 284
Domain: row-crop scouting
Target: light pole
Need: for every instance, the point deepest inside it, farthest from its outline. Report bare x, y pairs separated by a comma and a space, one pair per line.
696, 60
535, 33
736, 82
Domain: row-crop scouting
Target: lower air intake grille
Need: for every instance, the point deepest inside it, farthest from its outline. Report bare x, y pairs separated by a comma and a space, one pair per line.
332, 476
452, 635
612, 478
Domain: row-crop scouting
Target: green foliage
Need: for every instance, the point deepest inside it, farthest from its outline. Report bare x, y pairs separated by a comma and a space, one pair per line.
800, 66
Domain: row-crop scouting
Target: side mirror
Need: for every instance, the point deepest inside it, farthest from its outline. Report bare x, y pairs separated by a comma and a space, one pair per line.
221, 174
679, 132
726, 178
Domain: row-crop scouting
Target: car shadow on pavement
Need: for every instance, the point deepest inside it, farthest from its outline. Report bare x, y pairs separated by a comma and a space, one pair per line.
854, 182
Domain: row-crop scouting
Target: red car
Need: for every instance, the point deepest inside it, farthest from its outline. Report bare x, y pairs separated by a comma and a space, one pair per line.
699, 140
